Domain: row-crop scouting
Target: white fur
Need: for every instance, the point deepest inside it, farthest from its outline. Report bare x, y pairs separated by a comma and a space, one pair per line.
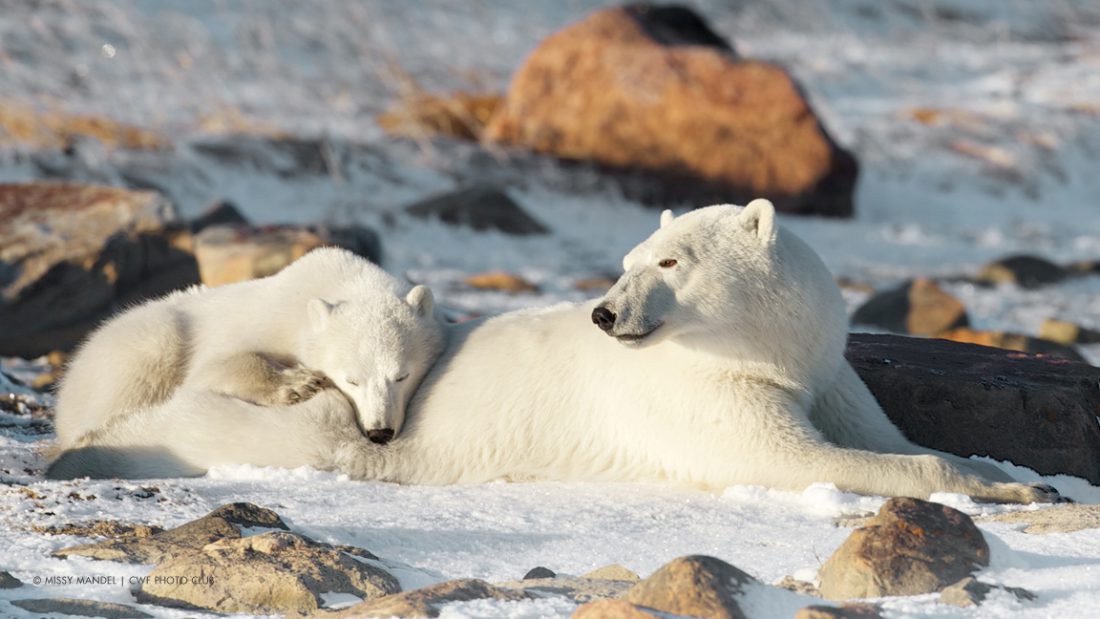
331, 318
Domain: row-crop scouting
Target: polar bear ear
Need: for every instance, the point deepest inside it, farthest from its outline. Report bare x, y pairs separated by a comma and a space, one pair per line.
758, 217
666, 217
421, 299
320, 311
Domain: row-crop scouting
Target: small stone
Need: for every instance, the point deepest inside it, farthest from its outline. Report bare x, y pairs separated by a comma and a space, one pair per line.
481, 207
1023, 271
972, 592
910, 547
81, 608
614, 609
613, 572
918, 307
499, 280
695, 585
427, 601
7, 581
1065, 518
539, 572
790, 583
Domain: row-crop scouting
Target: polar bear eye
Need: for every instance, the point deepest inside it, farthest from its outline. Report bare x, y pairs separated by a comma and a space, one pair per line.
352, 382
400, 378
667, 263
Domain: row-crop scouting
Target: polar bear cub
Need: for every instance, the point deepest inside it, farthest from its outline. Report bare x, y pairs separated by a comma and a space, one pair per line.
329, 319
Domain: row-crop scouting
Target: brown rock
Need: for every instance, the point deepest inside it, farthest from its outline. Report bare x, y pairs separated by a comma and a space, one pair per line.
459, 115
499, 280
598, 284
791, 583
224, 522
232, 253
1012, 341
917, 307
844, 611
910, 547
653, 90
1039, 412
1065, 518
579, 590
613, 572
426, 601
1065, 332
24, 125
7, 581
971, 592
71, 254
480, 207
1023, 271
274, 572
80, 608
695, 585
614, 609
99, 528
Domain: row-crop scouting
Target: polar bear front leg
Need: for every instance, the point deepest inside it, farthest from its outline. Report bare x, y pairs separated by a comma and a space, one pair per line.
259, 378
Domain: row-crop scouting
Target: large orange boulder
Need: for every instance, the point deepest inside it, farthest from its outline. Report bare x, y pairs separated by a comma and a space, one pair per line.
652, 91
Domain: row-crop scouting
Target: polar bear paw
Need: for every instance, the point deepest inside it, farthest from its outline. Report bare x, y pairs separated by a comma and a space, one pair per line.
1029, 493
298, 384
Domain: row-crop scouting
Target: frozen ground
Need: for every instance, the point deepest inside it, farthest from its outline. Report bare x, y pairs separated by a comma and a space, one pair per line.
1004, 161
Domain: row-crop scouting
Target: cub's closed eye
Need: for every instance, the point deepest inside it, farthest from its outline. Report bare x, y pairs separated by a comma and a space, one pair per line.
400, 378
353, 382
667, 263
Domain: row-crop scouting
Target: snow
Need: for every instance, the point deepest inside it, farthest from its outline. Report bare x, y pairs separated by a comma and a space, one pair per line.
1006, 165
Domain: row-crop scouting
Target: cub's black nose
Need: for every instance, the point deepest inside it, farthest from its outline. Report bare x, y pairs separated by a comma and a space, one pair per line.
380, 436
603, 318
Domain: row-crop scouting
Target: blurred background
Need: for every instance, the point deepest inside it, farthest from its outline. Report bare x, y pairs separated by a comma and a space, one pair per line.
941, 155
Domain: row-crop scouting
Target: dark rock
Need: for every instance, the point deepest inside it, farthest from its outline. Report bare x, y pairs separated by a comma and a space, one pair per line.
697, 586
81, 608
971, 592
655, 97
481, 208
1024, 271
283, 156
219, 213
70, 255
1038, 412
426, 601
539, 572
917, 307
910, 547
7, 581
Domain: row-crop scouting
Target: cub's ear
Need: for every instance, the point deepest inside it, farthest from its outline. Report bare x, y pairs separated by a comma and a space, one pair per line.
666, 217
320, 311
758, 217
420, 298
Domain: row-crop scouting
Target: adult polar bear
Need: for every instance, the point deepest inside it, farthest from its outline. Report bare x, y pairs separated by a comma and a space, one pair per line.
725, 367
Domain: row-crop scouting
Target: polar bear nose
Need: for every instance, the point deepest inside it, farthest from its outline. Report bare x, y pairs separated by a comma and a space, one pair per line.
603, 318
380, 436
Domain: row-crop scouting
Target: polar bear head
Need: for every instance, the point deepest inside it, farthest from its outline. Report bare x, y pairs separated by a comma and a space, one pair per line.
376, 346
728, 280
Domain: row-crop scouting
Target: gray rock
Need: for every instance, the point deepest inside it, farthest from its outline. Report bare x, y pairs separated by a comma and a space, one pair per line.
971, 592
1065, 518
7, 581
579, 590
219, 213
81, 608
426, 601
910, 547
539, 572
480, 207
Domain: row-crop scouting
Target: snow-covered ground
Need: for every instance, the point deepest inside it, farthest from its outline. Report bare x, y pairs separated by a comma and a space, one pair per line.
976, 122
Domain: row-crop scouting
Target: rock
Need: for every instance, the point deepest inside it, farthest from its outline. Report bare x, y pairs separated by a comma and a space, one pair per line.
1065, 332
499, 280
426, 601
910, 547
971, 592
613, 572
99, 528
26, 126
1038, 412
653, 92
480, 207
695, 585
72, 254
844, 611
1012, 341
1065, 518
234, 253
1023, 271
596, 284
459, 115
280, 155
7, 581
803, 587
539, 572
80, 608
614, 609
224, 522
218, 213
579, 590
273, 572
917, 307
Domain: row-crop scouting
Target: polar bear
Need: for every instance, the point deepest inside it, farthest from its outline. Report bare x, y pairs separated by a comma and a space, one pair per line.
329, 319
715, 360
